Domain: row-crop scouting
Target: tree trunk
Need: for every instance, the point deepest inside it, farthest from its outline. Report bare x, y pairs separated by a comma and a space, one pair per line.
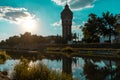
110, 34
110, 38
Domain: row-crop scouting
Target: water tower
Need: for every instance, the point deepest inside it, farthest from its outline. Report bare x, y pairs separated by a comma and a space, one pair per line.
66, 17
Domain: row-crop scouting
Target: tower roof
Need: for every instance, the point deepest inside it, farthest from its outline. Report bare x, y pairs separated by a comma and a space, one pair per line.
66, 12
66, 6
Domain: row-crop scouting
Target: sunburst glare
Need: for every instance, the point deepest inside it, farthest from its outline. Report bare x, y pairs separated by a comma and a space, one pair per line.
28, 24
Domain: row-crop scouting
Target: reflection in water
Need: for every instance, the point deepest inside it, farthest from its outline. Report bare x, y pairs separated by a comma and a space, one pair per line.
117, 71
67, 65
79, 68
94, 72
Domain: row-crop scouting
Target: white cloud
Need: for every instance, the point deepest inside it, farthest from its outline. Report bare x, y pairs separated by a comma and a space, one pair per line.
57, 24
14, 15
75, 27
78, 26
59, 2
76, 4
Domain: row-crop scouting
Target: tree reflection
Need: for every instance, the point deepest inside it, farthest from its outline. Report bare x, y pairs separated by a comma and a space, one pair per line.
117, 71
93, 72
3, 57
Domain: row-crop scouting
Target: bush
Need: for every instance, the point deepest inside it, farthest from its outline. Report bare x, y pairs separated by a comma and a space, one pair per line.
23, 71
3, 57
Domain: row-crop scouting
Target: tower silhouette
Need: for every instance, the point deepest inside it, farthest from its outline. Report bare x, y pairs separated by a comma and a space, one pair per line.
66, 16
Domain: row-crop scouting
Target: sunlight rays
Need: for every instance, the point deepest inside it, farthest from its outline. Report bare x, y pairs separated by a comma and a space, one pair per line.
28, 24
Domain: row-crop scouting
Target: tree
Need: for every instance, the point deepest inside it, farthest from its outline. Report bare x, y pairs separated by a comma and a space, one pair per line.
100, 26
109, 22
12, 41
92, 29
26, 38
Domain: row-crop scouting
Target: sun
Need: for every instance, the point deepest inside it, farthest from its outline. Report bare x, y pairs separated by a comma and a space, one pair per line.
28, 24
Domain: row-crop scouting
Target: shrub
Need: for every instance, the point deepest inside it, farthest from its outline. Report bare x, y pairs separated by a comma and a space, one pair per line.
23, 71
3, 56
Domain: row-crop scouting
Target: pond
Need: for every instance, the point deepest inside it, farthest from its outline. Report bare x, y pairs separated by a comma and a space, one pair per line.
81, 68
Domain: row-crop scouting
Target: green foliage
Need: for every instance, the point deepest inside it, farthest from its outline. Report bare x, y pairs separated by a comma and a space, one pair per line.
27, 39
3, 56
92, 29
23, 71
110, 25
99, 26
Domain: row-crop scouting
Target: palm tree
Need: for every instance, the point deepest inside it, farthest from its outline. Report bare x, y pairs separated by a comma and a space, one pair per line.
100, 26
92, 29
109, 22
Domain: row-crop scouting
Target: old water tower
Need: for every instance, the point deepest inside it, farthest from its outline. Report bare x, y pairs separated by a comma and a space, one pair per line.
66, 17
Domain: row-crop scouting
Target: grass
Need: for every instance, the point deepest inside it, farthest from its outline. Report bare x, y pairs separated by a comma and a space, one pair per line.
71, 49
87, 54
23, 71
53, 49
67, 50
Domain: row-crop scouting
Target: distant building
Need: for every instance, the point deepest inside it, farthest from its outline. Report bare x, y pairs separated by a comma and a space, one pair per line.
66, 16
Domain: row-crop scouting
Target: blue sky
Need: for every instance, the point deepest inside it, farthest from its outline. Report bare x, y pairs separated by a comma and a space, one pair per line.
42, 17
